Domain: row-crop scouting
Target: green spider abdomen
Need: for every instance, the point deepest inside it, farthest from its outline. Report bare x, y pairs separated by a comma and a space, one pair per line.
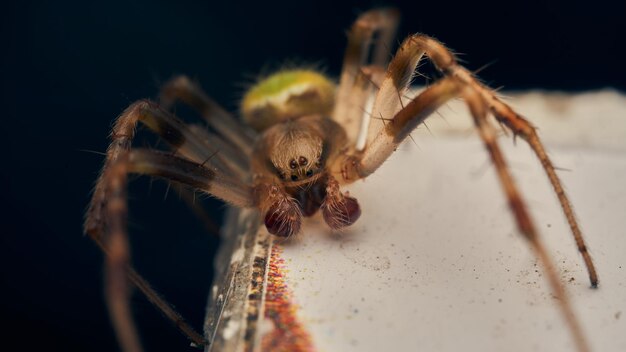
286, 95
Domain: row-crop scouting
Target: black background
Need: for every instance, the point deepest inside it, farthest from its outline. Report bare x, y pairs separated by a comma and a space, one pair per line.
69, 68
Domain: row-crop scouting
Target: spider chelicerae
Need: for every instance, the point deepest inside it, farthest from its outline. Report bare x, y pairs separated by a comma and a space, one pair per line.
303, 138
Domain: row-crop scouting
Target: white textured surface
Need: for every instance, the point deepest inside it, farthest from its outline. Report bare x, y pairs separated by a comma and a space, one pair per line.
435, 262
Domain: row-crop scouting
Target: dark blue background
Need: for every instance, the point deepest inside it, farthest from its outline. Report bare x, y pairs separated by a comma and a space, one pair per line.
69, 68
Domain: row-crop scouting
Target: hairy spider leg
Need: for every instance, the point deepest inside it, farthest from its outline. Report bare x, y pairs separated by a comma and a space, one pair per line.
238, 162
397, 129
479, 110
369, 43
188, 195
521, 127
444, 60
109, 202
457, 80
183, 89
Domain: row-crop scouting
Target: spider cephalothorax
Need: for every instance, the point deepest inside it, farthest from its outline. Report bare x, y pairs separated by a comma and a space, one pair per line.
295, 150
303, 137
296, 145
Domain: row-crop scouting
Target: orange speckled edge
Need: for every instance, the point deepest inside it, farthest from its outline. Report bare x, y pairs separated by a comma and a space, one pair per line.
288, 333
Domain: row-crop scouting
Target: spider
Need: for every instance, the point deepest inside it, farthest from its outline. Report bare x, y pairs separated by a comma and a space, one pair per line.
303, 138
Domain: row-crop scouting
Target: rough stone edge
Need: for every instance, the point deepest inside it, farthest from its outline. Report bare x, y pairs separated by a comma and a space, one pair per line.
235, 303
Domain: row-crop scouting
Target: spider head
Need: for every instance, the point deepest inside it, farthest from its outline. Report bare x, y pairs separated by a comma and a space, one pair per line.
300, 169
297, 157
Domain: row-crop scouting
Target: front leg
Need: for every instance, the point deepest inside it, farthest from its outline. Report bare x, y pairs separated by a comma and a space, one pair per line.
397, 129
388, 139
388, 99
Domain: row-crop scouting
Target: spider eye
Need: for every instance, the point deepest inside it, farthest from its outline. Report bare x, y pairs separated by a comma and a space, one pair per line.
309, 173
294, 177
281, 175
303, 161
293, 164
